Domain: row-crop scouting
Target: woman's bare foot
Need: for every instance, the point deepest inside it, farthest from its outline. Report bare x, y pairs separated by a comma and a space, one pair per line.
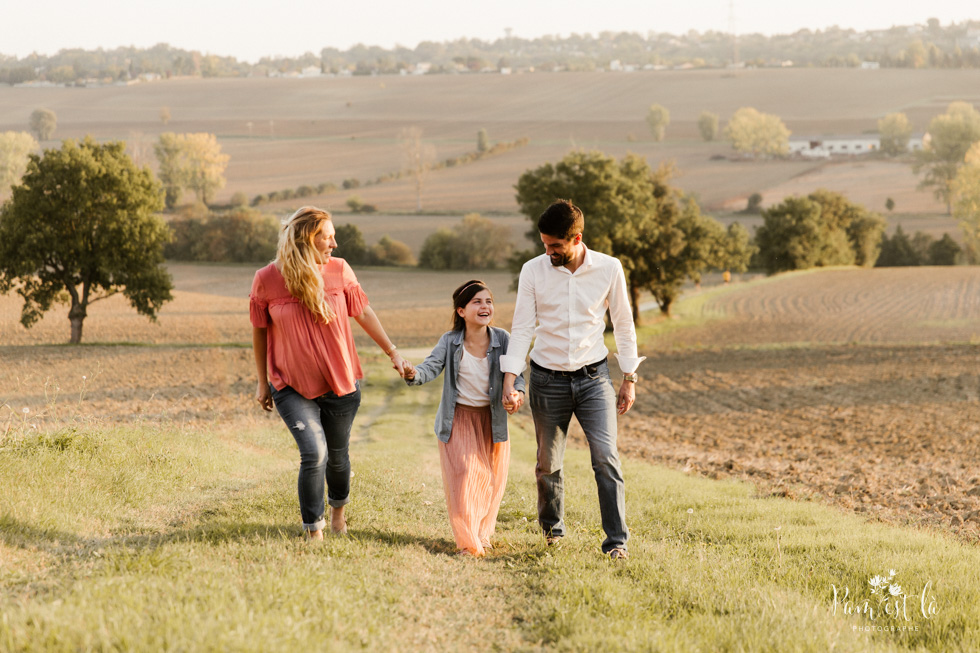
338, 525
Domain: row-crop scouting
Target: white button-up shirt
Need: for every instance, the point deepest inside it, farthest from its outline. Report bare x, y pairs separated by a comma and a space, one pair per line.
564, 313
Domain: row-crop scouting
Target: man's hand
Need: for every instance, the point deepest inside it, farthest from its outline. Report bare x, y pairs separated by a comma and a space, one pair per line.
513, 402
512, 399
263, 395
627, 395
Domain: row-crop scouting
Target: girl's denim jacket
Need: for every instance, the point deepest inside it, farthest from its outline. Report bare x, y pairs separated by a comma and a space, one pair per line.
447, 354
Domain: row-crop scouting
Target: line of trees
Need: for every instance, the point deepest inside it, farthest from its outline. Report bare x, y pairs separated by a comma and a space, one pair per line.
924, 46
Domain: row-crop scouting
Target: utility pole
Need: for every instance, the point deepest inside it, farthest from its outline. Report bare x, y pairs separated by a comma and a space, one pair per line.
731, 28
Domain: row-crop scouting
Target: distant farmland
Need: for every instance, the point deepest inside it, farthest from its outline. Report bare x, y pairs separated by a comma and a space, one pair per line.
283, 133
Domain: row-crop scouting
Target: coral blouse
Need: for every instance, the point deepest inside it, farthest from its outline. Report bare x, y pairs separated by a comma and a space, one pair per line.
310, 357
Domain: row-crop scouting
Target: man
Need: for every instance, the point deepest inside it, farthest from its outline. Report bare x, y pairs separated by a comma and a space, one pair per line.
561, 303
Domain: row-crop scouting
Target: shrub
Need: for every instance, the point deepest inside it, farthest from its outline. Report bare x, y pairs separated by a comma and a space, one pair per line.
476, 243
305, 191
350, 183
239, 199
391, 252
351, 246
239, 236
326, 187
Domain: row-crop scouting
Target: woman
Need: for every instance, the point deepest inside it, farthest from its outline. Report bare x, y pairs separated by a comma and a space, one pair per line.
306, 360
471, 423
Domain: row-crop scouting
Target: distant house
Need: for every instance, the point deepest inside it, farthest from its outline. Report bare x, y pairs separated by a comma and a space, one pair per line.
311, 71
823, 147
870, 65
422, 68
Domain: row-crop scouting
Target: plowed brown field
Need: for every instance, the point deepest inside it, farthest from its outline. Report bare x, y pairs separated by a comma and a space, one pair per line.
887, 429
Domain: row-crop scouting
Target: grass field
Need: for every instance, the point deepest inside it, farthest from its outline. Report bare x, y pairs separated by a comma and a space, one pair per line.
283, 133
146, 504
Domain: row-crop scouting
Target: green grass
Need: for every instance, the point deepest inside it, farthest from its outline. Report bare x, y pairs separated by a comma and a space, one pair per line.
160, 537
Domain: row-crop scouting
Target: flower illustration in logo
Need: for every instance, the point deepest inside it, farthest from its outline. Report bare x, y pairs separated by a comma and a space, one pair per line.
894, 590
878, 584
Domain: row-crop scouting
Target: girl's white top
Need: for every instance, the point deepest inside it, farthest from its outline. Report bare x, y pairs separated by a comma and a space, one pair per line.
473, 382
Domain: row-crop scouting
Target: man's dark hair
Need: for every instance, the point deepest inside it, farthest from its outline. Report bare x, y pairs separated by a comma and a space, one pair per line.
561, 220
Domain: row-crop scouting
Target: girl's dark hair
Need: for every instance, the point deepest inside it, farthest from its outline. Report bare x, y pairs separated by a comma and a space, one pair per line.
462, 296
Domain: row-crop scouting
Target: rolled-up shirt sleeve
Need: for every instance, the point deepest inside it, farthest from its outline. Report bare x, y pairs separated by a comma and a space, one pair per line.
522, 328
622, 321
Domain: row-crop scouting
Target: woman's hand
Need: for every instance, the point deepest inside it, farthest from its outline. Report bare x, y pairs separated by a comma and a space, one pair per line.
263, 395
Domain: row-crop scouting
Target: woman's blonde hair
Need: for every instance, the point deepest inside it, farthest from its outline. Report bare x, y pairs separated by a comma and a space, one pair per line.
299, 261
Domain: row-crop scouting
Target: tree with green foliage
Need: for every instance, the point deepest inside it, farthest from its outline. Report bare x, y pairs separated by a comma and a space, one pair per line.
658, 117
757, 134
966, 199
944, 251
482, 141
632, 213
897, 251
350, 245
81, 225
894, 132
391, 252
476, 243
241, 235
950, 136
708, 125
190, 161
819, 230
43, 123
15, 151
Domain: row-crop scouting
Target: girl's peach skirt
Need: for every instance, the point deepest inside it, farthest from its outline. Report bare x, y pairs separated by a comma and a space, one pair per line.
474, 474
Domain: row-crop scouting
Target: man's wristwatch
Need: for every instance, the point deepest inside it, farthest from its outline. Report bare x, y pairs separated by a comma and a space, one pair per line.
632, 378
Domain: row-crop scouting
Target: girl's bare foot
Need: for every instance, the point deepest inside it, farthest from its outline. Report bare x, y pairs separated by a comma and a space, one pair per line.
338, 524
314, 536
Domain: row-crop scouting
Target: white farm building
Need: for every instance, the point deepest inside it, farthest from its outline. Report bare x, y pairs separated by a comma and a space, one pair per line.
822, 147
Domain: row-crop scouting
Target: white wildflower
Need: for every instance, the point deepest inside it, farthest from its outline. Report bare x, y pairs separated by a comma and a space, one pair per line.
690, 511
26, 410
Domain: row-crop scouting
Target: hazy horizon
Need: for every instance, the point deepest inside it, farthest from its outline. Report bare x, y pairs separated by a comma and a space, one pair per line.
250, 30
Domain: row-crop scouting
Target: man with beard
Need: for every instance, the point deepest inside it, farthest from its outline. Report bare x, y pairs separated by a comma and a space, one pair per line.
562, 299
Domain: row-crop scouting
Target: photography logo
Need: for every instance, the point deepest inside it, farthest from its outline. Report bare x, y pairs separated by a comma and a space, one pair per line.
886, 604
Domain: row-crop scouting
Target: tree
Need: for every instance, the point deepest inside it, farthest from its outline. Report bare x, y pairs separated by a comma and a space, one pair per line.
15, 150
757, 134
889, 204
165, 115
658, 117
632, 213
708, 125
753, 206
418, 156
894, 131
944, 251
191, 161
476, 243
350, 244
821, 229
897, 251
391, 252
482, 141
950, 136
81, 223
736, 249
966, 199
43, 123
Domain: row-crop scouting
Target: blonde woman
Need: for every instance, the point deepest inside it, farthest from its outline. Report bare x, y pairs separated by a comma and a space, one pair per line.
306, 361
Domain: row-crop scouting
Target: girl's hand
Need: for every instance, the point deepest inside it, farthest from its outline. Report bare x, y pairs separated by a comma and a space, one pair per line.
263, 395
408, 371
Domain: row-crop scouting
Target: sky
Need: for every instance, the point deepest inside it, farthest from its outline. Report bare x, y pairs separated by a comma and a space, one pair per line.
249, 29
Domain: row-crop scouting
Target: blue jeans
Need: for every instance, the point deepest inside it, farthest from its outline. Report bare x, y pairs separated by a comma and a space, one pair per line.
321, 428
554, 398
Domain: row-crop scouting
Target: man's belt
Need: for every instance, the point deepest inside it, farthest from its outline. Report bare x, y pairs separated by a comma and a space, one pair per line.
585, 370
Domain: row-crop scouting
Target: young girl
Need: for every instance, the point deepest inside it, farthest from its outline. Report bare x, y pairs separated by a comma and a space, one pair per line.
471, 422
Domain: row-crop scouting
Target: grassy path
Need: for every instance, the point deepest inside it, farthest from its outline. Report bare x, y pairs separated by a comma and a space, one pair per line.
171, 538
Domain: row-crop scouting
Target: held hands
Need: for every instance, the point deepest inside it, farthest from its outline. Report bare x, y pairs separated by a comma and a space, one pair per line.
512, 399
405, 369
